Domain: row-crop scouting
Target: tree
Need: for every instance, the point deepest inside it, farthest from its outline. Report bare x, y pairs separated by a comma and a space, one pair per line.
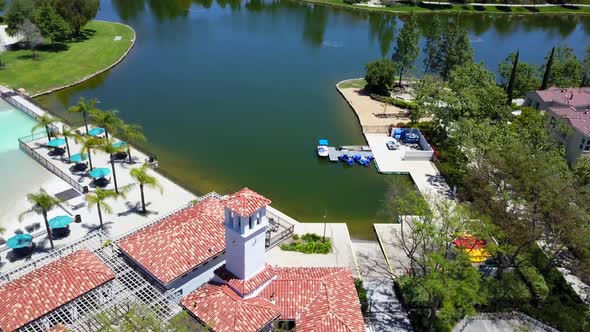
380, 76
566, 68
67, 133
50, 23
510, 87
428, 95
455, 51
17, 13
527, 76
2, 5
2, 50
111, 150
84, 107
407, 49
131, 133
547, 70
109, 120
586, 69
144, 179
433, 43
44, 121
44, 202
77, 12
89, 143
31, 35
100, 198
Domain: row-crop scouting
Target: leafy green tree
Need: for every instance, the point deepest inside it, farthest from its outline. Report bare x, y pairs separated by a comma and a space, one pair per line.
44, 202
31, 35
428, 95
2, 50
16, 14
433, 43
526, 78
586, 69
109, 120
566, 69
455, 51
2, 5
131, 133
77, 12
407, 48
380, 76
144, 179
88, 144
84, 107
111, 150
44, 121
510, 87
101, 197
50, 23
547, 69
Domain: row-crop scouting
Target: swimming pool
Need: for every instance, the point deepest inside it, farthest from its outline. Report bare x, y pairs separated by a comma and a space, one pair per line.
13, 124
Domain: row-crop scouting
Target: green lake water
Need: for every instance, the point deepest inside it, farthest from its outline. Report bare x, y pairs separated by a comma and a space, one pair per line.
235, 94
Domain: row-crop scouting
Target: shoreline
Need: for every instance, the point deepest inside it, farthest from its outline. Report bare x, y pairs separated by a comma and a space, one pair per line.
456, 8
86, 78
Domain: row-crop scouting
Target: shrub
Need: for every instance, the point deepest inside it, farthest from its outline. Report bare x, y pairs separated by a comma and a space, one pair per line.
380, 76
309, 244
352, 2
410, 105
362, 294
534, 280
295, 236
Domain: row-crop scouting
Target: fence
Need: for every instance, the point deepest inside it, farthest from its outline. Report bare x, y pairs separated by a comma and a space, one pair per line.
22, 142
283, 230
376, 129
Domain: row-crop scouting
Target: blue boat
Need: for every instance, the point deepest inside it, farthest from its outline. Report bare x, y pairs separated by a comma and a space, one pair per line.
323, 148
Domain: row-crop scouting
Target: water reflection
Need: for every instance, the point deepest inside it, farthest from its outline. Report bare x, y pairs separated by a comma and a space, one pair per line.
382, 28
314, 25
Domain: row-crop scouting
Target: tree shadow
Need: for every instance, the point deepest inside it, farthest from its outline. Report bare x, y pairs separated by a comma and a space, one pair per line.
29, 56
504, 9
136, 208
54, 48
434, 6
532, 9
479, 8
84, 35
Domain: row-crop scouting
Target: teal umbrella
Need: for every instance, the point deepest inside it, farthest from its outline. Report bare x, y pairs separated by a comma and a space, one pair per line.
119, 144
96, 131
56, 142
98, 173
59, 222
19, 241
78, 158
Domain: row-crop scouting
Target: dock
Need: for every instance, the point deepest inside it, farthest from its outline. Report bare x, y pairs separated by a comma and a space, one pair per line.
362, 151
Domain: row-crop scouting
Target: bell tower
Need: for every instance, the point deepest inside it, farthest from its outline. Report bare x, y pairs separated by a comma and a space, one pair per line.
245, 229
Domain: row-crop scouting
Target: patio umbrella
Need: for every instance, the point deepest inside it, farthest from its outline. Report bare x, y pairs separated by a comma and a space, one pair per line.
19, 241
56, 142
59, 222
96, 131
119, 144
78, 158
100, 172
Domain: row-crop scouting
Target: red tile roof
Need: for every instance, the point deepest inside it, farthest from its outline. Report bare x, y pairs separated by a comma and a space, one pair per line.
566, 96
245, 202
318, 299
179, 243
223, 310
578, 119
245, 287
49, 287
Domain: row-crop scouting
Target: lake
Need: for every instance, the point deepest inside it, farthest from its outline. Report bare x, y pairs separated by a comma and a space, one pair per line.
235, 94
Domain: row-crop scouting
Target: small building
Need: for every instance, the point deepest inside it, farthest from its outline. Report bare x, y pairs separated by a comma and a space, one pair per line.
569, 107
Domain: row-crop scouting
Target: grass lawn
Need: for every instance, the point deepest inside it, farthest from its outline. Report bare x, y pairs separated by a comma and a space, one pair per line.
357, 84
66, 63
432, 8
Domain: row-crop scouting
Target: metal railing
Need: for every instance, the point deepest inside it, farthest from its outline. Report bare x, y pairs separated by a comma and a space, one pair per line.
22, 142
284, 231
376, 129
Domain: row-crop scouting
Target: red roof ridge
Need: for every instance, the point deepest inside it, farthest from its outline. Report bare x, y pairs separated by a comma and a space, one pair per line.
245, 202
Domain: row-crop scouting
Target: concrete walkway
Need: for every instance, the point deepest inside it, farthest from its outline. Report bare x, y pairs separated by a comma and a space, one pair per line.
386, 312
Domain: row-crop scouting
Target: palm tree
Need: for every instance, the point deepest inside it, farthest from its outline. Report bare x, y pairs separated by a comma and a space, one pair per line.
130, 132
44, 120
46, 203
110, 149
89, 143
100, 197
84, 107
66, 132
109, 120
140, 174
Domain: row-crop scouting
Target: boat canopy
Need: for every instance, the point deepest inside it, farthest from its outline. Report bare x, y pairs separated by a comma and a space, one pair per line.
323, 142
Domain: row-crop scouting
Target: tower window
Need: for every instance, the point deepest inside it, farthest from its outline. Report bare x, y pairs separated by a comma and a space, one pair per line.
250, 221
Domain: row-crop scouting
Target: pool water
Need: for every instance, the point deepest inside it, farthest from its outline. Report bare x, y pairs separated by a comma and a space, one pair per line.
13, 125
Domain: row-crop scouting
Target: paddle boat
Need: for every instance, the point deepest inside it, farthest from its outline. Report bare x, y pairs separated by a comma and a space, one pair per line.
323, 148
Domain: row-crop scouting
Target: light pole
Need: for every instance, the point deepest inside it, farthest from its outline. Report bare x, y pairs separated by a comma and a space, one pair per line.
325, 218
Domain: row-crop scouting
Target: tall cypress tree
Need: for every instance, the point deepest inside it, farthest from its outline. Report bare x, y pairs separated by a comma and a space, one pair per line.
432, 45
547, 73
406, 48
510, 87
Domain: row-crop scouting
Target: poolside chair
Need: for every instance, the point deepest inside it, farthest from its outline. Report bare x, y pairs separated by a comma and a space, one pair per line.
18, 231
29, 228
2, 241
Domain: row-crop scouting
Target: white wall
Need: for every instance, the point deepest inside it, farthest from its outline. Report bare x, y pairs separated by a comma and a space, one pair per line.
198, 277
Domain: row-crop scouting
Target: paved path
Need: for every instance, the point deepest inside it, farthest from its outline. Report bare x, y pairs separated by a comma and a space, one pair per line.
387, 313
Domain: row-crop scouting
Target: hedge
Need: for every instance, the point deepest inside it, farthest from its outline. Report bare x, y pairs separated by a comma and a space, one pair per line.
410, 105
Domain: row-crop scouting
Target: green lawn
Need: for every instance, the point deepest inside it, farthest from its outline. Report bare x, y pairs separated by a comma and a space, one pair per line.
425, 9
66, 63
356, 83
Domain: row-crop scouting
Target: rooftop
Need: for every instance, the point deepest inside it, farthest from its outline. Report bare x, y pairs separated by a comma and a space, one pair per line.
245, 202
245, 287
577, 119
577, 97
318, 299
44, 290
180, 242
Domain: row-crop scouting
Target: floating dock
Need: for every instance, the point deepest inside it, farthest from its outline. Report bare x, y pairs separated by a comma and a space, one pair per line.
363, 151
